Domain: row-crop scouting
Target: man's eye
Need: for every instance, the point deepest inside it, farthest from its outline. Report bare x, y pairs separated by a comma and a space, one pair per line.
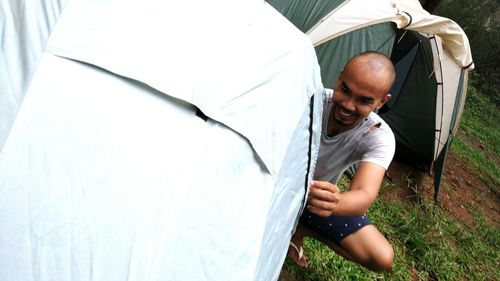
366, 101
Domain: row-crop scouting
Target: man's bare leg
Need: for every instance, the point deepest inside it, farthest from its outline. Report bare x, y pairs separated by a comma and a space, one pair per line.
367, 246
298, 240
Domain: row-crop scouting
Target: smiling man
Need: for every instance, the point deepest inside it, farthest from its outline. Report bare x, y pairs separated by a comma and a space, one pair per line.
352, 134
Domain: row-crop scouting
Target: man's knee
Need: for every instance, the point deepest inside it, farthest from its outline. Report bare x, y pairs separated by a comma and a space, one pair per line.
384, 259
368, 247
378, 252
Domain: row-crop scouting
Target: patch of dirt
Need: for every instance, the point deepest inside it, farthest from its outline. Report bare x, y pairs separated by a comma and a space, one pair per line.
288, 276
461, 190
464, 189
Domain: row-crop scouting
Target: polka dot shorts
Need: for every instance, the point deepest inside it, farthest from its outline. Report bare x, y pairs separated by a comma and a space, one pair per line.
335, 228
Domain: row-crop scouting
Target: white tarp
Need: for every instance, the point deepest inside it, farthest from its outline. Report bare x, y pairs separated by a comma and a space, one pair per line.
108, 174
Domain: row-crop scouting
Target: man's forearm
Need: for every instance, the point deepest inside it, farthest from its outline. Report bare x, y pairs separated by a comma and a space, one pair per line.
353, 203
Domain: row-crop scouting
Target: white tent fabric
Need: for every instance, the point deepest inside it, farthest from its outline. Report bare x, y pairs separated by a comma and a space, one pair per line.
24, 31
448, 74
355, 14
108, 174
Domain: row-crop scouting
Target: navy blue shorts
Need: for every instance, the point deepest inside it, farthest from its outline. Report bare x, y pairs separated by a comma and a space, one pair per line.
334, 228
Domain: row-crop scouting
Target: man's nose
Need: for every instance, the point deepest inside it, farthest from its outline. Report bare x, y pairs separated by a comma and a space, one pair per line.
349, 104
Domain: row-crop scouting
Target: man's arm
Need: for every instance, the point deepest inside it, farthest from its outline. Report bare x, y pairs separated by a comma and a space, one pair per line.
325, 199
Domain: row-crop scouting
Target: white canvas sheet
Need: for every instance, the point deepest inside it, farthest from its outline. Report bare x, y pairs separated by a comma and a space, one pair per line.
108, 174
24, 31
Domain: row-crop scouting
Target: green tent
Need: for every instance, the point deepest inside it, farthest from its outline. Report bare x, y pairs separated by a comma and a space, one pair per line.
432, 59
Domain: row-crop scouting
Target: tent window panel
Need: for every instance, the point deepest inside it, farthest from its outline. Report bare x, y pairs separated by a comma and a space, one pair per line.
402, 67
333, 54
412, 116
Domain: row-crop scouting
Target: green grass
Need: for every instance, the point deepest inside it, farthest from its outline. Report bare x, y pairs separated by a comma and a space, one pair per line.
429, 243
479, 161
481, 122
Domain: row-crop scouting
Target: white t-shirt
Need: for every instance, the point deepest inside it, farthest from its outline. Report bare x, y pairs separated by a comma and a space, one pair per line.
370, 141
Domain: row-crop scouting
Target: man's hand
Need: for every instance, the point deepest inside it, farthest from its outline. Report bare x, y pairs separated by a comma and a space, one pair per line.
323, 198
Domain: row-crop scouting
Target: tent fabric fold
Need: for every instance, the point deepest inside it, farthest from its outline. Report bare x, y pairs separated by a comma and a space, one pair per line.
25, 30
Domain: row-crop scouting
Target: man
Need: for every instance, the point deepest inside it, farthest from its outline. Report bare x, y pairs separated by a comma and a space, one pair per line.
352, 133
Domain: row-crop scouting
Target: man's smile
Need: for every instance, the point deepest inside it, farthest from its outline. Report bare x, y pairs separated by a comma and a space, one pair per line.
343, 116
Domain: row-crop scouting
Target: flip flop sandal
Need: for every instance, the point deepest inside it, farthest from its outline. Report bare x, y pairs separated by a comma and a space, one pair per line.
300, 252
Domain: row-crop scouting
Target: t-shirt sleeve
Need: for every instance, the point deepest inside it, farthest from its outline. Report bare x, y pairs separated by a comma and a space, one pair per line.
327, 95
380, 148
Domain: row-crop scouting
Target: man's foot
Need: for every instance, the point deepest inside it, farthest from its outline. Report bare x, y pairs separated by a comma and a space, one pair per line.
297, 255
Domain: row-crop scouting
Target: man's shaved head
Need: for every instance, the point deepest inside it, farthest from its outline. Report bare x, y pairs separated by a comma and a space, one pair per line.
378, 64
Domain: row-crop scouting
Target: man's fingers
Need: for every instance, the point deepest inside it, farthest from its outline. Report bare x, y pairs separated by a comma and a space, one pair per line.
325, 185
319, 212
322, 194
320, 204
323, 198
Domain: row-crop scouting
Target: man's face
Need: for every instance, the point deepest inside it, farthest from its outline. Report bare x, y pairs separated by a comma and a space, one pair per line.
358, 92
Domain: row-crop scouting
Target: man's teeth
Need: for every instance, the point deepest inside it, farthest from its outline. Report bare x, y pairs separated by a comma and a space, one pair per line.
344, 113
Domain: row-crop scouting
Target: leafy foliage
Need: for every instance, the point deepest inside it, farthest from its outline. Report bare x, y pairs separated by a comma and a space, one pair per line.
481, 22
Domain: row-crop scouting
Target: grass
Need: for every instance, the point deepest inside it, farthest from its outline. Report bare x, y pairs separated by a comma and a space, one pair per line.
480, 121
483, 165
429, 243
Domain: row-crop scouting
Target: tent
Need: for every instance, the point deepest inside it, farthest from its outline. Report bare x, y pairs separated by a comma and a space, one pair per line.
152, 140
432, 59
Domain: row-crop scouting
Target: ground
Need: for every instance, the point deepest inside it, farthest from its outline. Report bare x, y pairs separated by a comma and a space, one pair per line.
462, 190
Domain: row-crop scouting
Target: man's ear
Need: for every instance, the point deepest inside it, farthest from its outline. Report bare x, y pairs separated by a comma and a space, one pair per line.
385, 99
